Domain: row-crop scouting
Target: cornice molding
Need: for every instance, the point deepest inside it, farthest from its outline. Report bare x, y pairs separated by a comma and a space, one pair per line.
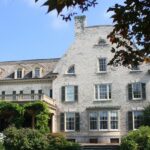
32, 80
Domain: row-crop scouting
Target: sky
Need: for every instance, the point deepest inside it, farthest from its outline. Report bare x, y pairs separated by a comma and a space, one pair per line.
28, 32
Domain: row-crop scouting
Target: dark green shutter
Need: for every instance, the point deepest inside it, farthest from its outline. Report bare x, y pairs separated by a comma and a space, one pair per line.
130, 120
130, 91
63, 93
143, 91
62, 121
76, 93
109, 91
96, 92
77, 121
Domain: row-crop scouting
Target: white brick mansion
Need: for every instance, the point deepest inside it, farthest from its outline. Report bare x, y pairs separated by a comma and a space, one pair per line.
91, 102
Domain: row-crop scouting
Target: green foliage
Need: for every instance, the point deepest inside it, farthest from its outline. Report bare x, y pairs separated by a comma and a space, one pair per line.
15, 113
58, 142
2, 146
137, 140
29, 139
24, 139
41, 112
146, 114
131, 32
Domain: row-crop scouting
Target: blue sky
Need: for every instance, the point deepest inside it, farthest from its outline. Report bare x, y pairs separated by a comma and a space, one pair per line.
27, 32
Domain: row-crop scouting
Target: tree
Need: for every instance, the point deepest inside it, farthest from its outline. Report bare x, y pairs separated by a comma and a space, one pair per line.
146, 115
131, 33
137, 139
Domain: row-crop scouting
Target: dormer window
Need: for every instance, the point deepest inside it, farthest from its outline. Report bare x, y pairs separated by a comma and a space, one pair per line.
71, 70
37, 72
19, 73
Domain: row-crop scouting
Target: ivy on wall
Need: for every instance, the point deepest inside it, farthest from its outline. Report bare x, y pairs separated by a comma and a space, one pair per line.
14, 114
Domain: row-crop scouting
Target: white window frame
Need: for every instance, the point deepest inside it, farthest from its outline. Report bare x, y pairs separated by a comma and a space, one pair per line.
102, 71
133, 98
66, 122
133, 116
66, 99
109, 120
109, 87
90, 120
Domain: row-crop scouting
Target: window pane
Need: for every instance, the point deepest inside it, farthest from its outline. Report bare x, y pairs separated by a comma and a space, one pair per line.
138, 118
114, 119
19, 73
37, 72
103, 91
70, 121
102, 64
137, 90
70, 93
93, 120
103, 120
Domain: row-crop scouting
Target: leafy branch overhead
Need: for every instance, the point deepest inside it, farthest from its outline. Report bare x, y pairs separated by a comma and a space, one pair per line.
131, 33
59, 5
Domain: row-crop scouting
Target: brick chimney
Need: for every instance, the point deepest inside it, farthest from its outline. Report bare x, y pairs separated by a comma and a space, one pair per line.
80, 23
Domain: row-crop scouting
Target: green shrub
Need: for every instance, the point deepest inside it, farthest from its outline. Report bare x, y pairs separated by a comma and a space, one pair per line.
1, 146
29, 139
24, 139
137, 140
58, 142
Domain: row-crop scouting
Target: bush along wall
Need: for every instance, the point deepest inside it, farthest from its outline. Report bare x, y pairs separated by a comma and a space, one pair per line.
14, 114
137, 140
31, 139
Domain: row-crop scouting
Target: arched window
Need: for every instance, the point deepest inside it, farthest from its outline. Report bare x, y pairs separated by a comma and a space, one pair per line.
71, 70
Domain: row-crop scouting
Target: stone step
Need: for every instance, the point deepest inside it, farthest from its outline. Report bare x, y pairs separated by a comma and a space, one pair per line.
100, 147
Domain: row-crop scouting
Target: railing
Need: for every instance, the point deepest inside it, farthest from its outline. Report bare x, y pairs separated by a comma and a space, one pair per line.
27, 98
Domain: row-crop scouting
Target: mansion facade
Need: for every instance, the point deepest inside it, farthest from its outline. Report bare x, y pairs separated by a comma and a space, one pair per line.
91, 101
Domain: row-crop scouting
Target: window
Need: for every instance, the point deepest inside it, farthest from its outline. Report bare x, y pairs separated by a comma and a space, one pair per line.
103, 92
51, 93
70, 121
32, 94
102, 65
40, 94
138, 118
93, 120
71, 70
21, 94
14, 95
135, 68
135, 119
69, 93
3, 95
37, 72
114, 119
137, 91
19, 73
104, 120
